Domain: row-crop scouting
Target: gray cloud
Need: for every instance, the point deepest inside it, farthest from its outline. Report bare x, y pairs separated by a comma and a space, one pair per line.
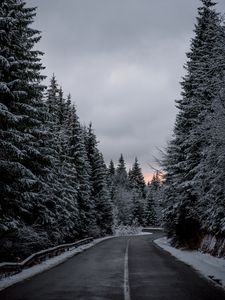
122, 61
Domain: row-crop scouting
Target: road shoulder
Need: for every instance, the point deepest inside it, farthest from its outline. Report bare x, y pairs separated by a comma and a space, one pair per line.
212, 268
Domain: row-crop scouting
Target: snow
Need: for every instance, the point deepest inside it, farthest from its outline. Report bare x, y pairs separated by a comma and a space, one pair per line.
144, 233
153, 228
46, 265
123, 230
209, 266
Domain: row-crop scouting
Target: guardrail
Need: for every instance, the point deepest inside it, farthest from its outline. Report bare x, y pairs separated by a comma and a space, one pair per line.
8, 268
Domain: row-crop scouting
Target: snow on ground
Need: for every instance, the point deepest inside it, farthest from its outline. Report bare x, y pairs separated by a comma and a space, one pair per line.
46, 265
153, 228
144, 233
129, 230
209, 266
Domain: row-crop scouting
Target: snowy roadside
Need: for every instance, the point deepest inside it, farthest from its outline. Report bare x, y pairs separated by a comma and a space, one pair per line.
209, 266
153, 228
46, 265
130, 230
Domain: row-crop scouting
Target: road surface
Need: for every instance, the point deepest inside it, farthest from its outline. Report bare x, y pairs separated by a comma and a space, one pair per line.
122, 268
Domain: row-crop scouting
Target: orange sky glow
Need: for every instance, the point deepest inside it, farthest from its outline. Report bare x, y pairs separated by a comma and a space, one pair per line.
148, 177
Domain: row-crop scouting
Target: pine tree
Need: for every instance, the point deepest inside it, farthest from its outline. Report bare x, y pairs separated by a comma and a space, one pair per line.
185, 152
154, 205
111, 179
138, 205
23, 165
61, 107
122, 200
79, 159
211, 171
111, 169
100, 193
52, 94
150, 217
136, 178
138, 187
121, 172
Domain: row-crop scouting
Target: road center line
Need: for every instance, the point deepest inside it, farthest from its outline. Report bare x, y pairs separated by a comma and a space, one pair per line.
126, 275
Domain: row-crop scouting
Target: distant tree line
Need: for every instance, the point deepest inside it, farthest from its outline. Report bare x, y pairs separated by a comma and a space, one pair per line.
134, 203
195, 158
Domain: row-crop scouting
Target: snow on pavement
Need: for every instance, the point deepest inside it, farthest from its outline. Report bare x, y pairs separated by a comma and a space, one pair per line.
209, 266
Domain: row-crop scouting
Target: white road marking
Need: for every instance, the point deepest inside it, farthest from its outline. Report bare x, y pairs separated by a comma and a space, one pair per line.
126, 275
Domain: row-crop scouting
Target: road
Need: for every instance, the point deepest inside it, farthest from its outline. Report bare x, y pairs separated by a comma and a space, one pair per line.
122, 268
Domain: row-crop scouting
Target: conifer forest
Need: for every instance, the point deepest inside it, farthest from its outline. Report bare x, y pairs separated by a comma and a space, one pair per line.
56, 186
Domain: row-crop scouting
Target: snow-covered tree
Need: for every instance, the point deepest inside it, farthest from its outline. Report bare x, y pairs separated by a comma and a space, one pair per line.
154, 201
99, 189
121, 177
79, 159
111, 179
186, 152
136, 178
122, 198
150, 217
23, 165
63, 180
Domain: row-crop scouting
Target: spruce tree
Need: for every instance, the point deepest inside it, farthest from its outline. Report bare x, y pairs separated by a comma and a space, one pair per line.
136, 178
185, 152
153, 208
111, 179
138, 188
121, 172
123, 197
99, 190
111, 169
79, 159
150, 217
51, 97
64, 179
23, 163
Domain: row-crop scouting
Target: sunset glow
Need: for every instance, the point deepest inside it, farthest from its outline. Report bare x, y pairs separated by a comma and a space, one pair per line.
148, 177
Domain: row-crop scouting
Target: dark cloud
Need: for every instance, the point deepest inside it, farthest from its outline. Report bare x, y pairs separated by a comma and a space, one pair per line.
122, 61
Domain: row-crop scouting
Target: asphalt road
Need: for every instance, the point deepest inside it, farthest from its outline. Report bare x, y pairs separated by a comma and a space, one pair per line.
128, 268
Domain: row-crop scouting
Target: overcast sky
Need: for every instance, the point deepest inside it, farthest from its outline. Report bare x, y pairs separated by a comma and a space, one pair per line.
122, 61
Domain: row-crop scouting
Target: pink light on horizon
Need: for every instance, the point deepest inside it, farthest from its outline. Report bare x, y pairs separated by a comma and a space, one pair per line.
148, 177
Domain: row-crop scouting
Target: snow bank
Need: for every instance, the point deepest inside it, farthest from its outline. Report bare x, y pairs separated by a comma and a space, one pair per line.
127, 230
153, 228
46, 265
211, 267
144, 233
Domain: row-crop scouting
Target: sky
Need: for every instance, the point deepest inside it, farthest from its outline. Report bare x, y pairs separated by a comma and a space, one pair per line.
122, 61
